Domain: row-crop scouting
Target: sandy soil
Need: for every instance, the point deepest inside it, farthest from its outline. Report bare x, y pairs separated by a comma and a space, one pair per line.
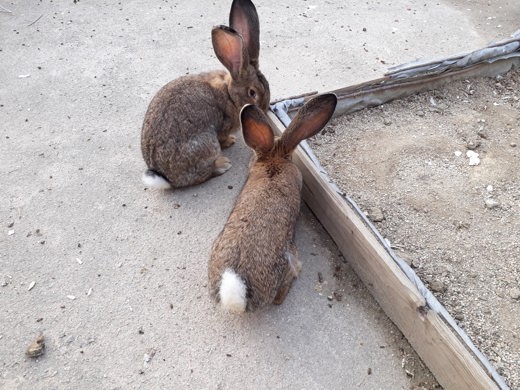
406, 165
114, 275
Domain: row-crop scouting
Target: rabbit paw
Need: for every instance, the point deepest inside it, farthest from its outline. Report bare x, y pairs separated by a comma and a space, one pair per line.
222, 164
280, 296
230, 140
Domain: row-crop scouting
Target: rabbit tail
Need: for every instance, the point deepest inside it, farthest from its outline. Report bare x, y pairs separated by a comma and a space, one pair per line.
154, 179
232, 292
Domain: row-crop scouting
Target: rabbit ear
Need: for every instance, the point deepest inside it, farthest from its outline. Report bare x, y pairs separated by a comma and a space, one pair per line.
229, 48
258, 134
244, 19
311, 118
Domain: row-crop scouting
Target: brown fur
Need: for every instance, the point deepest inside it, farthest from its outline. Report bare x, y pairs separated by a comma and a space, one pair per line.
191, 118
257, 240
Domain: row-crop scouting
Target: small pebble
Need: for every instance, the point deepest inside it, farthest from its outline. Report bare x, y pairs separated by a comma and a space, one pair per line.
37, 347
375, 214
387, 122
437, 286
461, 225
514, 293
492, 203
473, 158
459, 317
420, 113
513, 144
472, 145
482, 134
148, 356
31, 285
337, 296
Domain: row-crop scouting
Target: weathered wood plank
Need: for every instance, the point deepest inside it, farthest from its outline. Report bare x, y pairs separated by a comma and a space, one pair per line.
437, 345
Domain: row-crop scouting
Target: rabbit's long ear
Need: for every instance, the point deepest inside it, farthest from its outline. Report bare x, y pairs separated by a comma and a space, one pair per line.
229, 48
311, 118
258, 134
244, 19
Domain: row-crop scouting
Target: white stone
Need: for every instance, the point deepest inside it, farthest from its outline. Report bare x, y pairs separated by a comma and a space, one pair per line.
473, 158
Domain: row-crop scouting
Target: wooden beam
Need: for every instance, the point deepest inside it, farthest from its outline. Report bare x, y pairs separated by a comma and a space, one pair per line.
439, 347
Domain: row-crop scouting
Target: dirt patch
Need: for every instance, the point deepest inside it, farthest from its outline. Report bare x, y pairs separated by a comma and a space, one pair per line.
406, 164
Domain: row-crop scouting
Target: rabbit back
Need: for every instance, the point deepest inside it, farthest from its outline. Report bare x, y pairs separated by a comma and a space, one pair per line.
257, 241
183, 125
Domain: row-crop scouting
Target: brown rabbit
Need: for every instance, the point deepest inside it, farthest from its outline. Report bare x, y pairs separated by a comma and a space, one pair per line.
254, 259
191, 118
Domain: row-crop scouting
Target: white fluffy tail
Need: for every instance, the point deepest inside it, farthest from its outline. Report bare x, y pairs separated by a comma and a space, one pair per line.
232, 292
155, 180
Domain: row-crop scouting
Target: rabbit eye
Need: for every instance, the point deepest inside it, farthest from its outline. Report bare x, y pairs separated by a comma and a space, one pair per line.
252, 93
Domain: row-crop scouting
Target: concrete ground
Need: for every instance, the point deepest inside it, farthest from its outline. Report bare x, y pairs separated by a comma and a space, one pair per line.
114, 275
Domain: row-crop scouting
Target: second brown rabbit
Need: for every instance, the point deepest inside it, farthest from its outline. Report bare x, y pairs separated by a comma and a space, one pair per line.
254, 259
192, 118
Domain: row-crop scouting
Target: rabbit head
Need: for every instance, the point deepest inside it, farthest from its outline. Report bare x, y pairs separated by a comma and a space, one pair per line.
238, 48
259, 136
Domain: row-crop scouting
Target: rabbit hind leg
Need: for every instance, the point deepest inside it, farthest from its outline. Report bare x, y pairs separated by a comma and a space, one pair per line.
293, 269
197, 161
